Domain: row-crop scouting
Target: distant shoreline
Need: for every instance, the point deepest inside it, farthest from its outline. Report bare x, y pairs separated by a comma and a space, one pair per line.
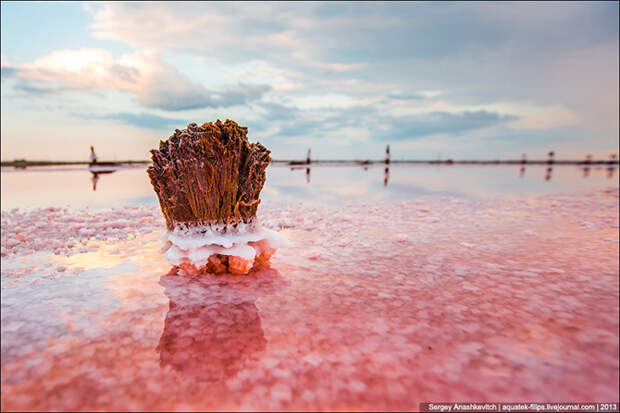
22, 163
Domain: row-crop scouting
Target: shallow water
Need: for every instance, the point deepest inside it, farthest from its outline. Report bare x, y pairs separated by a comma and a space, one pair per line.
76, 188
447, 284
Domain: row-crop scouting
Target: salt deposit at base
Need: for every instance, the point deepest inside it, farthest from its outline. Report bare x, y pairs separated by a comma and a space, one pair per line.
375, 306
199, 245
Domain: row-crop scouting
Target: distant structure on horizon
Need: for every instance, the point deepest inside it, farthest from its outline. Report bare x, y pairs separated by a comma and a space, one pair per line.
308, 159
551, 157
387, 154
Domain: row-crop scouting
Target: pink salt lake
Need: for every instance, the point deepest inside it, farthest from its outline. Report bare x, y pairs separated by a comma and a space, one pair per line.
441, 284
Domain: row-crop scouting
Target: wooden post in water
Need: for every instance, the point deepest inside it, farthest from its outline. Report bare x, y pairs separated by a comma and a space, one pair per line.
548, 174
586, 168
611, 169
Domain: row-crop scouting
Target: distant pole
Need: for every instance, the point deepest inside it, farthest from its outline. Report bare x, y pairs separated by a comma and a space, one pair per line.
586, 171
93, 156
95, 179
387, 154
551, 159
548, 174
308, 160
523, 158
611, 169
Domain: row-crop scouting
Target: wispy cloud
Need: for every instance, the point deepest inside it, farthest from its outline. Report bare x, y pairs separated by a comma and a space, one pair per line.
441, 123
383, 126
141, 120
7, 72
341, 35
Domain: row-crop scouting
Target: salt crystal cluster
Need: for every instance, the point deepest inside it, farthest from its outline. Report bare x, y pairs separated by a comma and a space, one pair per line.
236, 251
208, 180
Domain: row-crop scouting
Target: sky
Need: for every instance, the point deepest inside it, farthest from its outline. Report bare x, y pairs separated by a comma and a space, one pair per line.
433, 80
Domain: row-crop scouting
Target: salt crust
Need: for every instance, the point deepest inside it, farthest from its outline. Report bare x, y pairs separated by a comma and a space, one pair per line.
196, 244
406, 302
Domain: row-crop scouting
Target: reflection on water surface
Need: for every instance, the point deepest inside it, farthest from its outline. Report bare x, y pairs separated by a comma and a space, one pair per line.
77, 188
213, 326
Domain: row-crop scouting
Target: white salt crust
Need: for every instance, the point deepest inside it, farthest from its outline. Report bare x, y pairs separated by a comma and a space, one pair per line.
196, 244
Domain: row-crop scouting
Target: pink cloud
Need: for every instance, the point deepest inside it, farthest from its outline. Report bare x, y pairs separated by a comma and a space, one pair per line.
143, 74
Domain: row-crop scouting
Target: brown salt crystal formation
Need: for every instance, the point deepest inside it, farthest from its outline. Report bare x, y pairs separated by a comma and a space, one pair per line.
209, 174
208, 180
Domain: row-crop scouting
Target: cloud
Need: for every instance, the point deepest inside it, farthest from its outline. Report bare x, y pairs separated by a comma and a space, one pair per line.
440, 123
375, 119
354, 73
155, 83
474, 53
340, 36
141, 120
273, 111
179, 98
303, 128
32, 88
7, 72
398, 95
